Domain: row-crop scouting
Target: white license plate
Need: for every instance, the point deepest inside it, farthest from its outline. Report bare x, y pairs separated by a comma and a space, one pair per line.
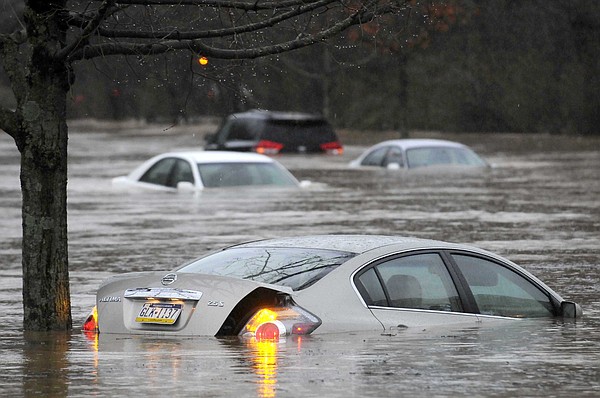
162, 313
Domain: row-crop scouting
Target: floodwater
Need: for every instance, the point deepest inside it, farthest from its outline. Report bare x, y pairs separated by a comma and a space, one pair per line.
539, 206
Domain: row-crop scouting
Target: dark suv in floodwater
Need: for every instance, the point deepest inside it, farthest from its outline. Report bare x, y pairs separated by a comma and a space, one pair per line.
270, 133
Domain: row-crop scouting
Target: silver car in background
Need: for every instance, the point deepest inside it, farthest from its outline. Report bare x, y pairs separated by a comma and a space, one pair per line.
416, 153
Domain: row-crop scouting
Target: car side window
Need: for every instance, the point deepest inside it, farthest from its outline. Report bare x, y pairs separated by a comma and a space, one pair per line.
182, 172
394, 155
500, 291
375, 158
371, 289
159, 173
417, 281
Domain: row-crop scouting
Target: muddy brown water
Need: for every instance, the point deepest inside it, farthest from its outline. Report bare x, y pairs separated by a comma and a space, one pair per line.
539, 206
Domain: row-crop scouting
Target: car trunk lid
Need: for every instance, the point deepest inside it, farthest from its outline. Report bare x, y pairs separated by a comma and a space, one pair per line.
171, 302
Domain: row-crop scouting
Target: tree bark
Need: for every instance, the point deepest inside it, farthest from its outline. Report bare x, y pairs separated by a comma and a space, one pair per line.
44, 186
42, 141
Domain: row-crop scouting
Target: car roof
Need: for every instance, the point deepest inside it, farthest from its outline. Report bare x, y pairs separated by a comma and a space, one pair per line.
220, 156
351, 243
276, 115
409, 143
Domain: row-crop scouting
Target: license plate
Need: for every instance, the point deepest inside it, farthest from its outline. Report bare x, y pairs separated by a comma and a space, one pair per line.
162, 313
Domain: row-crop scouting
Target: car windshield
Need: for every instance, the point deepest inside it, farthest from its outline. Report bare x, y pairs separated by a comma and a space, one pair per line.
239, 174
430, 156
296, 268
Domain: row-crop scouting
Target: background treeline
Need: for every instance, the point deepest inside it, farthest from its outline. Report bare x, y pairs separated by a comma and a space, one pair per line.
494, 65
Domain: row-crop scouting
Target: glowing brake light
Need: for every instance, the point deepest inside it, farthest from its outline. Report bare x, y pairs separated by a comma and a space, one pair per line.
333, 148
273, 330
91, 322
267, 147
276, 322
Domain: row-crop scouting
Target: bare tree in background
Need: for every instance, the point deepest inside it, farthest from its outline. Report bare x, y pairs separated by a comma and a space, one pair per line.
51, 35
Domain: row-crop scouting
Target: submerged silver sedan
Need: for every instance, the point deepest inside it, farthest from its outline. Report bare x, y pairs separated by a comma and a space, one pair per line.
322, 284
416, 153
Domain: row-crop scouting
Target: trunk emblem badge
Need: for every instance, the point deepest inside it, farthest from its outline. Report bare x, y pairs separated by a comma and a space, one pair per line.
168, 279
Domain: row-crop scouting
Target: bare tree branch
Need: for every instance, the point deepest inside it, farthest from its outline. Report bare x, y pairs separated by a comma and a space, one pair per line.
89, 29
239, 5
358, 16
191, 35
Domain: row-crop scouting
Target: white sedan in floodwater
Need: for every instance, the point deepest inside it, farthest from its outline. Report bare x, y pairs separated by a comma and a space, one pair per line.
323, 284
196, 170
413, 153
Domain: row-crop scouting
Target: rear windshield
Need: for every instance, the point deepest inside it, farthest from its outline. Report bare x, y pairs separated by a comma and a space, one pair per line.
296, 268
240, 174
245, 129
296, 132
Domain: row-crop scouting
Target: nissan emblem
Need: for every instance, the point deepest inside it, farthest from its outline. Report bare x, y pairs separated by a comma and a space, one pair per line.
168, 279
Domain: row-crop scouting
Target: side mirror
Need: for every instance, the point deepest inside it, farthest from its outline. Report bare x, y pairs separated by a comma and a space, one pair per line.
185, 186
305, 183
570, 309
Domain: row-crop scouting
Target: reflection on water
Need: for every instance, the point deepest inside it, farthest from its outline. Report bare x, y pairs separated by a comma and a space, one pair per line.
264, 357
539, 207
45, 364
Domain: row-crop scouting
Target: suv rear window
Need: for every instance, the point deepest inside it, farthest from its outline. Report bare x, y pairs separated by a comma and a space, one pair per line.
242, 129
294, 133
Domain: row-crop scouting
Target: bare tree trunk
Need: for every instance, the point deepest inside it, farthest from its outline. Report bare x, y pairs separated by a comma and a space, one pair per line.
44, 186
42, 141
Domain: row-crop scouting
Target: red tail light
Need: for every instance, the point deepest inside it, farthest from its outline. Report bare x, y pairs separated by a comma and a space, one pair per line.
276, 322
270, 331
91, 323
333, 148
267, 147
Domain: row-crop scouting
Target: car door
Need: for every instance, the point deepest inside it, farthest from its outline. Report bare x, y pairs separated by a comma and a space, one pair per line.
167, 172
499, 290
413, 290
157, 176
181, 172
375, 157
394, 158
